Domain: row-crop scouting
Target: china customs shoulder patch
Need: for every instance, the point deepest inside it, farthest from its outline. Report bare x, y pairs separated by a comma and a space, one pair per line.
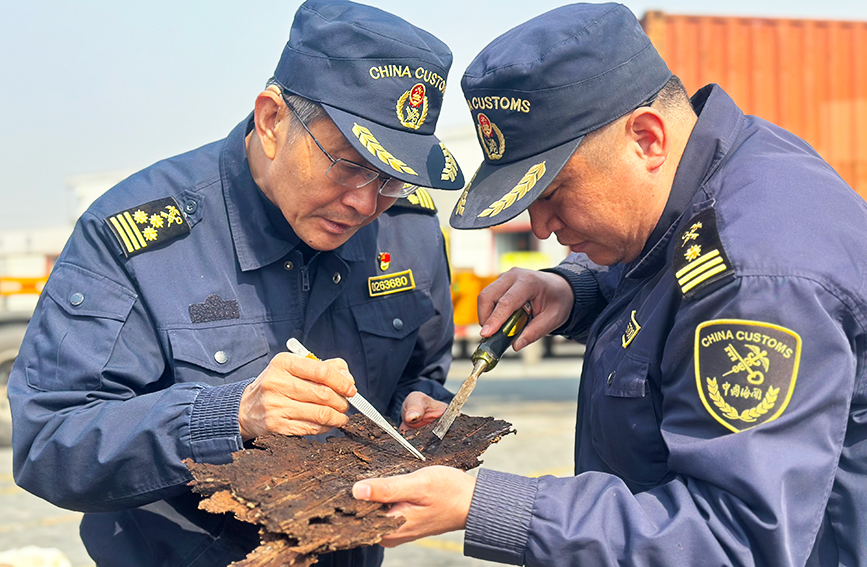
148, 226
699, 258
745, 371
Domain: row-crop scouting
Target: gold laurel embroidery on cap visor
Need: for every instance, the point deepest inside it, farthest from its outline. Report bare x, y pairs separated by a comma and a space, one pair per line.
742, 368
494, 149
374, 147
411, 118
699, 269
450, 171
462, 202
524, 185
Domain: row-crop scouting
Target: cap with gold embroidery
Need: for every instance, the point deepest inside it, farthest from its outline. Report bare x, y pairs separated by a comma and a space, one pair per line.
380, 79
535, 91
148, 226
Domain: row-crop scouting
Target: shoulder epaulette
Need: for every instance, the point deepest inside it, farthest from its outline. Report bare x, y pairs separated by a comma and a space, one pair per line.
699, 257
420, 201
148, 226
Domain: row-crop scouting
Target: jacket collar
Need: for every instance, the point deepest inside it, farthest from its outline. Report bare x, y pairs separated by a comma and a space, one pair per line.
258, 242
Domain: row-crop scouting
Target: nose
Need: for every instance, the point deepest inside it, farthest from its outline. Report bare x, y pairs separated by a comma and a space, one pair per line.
543, 220
363, 199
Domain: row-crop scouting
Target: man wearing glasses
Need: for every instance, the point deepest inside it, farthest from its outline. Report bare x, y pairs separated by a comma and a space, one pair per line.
160, 335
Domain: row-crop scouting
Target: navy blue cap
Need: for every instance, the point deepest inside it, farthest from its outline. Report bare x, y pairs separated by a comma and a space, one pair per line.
380, 79
536, 90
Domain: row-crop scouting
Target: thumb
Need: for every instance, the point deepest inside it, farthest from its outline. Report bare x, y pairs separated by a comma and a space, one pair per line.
387, 490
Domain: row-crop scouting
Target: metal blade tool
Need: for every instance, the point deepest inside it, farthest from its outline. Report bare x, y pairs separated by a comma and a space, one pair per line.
485, 357
359, 403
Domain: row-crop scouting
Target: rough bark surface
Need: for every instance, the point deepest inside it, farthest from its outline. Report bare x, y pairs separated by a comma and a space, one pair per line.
300, 491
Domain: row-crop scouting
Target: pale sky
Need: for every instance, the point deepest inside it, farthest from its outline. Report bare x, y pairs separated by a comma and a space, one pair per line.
96, 86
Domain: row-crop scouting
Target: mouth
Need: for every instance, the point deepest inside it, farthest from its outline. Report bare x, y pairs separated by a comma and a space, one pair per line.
340, 227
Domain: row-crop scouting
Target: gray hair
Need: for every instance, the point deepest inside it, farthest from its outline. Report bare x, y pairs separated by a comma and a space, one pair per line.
306, 110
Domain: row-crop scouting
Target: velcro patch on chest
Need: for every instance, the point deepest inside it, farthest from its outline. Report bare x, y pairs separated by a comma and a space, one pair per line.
699, 257
147, 226
391, 283
745, 371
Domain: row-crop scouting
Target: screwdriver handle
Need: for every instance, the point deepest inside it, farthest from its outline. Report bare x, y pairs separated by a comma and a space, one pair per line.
492, 348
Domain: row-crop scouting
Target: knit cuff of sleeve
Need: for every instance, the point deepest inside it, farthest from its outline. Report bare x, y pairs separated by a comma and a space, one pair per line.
588, 300
214, 430
498, 524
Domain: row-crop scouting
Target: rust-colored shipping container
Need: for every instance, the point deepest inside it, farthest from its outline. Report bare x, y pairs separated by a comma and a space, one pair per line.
808, 76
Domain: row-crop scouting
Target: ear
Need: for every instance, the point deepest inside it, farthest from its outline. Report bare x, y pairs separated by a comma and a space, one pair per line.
647, 130
267, 115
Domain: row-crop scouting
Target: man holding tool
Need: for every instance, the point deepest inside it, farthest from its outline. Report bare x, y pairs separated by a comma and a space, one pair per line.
722, 410
160, 333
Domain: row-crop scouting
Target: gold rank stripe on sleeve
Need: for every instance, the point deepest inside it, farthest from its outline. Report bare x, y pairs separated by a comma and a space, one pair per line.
699, 257
148, 225
699, 270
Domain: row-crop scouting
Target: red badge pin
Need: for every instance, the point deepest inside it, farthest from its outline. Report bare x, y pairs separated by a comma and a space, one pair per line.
384, 260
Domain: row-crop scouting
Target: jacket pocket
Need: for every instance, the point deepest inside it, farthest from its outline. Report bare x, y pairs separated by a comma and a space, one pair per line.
218, 355
388, 329
625, 428
77, 324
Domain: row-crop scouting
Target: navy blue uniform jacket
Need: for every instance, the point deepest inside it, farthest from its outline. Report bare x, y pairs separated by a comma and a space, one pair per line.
132, 364
722, 410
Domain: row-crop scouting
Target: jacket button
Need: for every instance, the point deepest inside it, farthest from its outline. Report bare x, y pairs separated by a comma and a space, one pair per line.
221, 357
287, 265
336, 277
190, 207
397, 324
76, 298
611, 378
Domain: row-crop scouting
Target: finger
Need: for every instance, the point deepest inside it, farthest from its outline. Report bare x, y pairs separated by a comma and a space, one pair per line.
293, 415
316, 371
492, 293
419, 410
300, 390
509, 292
398, 488
341, 366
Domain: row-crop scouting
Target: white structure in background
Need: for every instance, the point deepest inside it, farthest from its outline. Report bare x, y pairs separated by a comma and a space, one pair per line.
28, 254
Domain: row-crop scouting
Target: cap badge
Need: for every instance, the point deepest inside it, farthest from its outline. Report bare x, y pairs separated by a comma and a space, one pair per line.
384, 260
412, 107
491, 138
526, 183
374, 147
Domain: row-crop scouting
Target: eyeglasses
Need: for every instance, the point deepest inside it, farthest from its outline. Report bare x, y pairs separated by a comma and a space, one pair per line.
350, 174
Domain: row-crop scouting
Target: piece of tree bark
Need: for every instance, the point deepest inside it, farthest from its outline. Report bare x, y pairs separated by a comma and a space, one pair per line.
300, 491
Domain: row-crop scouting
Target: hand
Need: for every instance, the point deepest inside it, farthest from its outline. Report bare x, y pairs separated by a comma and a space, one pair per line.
434, 500
419, 409
550, 295
296, 396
